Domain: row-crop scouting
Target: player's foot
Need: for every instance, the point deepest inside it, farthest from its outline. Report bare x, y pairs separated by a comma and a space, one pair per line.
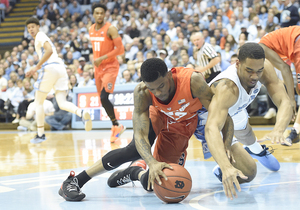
116, 131
270, 114
124, 176
38, 139
70, 189
292, 138
205, 150
22, 128
265, 158
217, 172
86, 119
141, 163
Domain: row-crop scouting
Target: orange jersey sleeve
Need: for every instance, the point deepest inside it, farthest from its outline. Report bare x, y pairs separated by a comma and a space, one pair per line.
282, 41
183, 106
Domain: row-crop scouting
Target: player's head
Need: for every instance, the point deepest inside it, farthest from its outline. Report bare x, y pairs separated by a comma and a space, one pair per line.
99, 11
250, 64
33, 26
154, 73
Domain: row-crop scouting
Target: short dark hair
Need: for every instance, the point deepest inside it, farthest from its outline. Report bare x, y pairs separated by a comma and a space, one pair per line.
152, 69
251, 50
99, 5
32, 20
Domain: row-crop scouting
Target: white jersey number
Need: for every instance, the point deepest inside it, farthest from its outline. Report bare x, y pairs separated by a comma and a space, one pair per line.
96, 46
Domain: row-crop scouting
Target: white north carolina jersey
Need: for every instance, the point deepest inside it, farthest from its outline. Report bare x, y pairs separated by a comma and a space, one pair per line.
40, 39
244, 98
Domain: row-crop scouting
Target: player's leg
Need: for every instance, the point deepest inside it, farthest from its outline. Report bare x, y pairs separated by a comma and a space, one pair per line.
40, 116
257, 151
108, 82
71, 187
61, 98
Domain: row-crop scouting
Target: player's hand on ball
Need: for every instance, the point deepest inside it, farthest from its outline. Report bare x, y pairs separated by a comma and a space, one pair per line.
155, 171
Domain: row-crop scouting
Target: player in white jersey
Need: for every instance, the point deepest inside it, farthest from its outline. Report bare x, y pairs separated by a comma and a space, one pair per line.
234, 90
52, 74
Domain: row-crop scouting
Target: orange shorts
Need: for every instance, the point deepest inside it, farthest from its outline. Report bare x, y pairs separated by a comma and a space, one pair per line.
105, 76
173, 137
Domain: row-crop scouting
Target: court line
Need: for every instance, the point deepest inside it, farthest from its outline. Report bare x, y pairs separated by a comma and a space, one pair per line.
195, 201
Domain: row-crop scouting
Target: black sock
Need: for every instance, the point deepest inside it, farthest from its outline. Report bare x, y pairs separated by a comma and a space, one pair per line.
134, 174
83, 178
144, 181
115, 122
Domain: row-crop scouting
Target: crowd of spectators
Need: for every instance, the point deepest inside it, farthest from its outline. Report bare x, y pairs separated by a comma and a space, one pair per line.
149, 28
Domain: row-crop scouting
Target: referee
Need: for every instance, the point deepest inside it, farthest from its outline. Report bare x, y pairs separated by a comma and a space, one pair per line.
207, 57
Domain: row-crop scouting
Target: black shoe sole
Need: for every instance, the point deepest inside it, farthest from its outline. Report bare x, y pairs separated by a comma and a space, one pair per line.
78, 198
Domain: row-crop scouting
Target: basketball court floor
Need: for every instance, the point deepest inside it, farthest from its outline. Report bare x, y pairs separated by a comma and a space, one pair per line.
30, 176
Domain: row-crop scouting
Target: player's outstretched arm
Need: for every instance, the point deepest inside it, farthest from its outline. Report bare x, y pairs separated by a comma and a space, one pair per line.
141, 122
285, 69
280, 98
226, 95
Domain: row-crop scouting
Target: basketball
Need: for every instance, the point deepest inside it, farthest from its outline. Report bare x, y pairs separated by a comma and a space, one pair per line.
177, 187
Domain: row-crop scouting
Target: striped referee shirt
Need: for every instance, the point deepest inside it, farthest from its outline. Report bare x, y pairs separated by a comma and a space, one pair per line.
205, 54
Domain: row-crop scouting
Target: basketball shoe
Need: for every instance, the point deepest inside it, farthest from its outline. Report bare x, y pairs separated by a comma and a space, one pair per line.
70, 189
86, 119
38, 139
124, 176
265, 158
292, 138
116, 131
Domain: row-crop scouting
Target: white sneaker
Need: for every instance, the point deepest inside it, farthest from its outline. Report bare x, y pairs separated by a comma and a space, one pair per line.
21, 128
15, 121
270, 114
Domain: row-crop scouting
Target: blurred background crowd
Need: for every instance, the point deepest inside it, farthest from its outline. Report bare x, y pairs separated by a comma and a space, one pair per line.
148, 28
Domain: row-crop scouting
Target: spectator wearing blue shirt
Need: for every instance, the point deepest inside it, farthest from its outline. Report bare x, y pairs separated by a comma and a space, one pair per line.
161, 24
74, 8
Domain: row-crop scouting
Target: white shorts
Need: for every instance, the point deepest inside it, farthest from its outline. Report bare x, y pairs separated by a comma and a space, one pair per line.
52, 76
240, 120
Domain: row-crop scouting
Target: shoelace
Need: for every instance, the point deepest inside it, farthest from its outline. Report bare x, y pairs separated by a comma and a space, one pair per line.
270, 149
73, 185
126, 179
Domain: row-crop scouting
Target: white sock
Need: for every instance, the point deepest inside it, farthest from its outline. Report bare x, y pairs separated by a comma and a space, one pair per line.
256, 148
297, 127
40, 131
78, 112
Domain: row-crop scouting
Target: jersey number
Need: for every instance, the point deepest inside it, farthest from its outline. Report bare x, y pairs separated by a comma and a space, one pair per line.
96, 46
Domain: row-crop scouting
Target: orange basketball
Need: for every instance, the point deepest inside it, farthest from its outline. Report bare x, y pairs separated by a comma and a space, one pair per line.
177, 187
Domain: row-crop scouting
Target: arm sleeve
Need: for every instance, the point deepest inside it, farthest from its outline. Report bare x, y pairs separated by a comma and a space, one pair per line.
119, 48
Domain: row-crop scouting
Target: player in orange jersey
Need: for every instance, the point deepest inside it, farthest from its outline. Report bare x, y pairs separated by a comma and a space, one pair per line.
107, 45
280, 46
166, 105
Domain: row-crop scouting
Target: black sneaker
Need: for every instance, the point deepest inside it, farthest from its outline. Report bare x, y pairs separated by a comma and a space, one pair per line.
292, 138
38, 139
70, 190
124, 176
